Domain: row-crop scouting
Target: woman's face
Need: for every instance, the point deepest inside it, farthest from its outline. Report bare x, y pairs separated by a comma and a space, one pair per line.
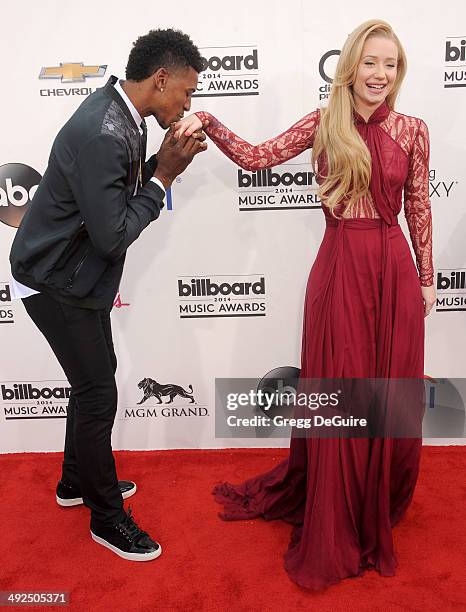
376, 72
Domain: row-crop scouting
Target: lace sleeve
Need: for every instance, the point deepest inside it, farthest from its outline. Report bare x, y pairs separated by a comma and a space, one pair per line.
417, 204
273, 152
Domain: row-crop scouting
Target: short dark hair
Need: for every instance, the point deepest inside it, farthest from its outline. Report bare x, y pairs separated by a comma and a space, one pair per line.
162, 49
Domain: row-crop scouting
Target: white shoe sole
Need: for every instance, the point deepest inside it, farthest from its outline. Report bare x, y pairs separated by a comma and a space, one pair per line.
127, 555
77, 501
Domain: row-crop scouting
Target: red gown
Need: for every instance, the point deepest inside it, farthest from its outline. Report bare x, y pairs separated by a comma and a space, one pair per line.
363, 317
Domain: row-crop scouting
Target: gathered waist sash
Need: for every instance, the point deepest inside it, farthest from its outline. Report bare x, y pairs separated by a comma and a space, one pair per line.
360, 224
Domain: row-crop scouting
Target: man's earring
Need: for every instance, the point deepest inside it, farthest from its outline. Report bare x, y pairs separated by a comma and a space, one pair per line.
161, 89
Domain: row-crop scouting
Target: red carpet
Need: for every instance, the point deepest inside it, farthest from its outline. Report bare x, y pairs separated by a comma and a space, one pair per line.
208, 564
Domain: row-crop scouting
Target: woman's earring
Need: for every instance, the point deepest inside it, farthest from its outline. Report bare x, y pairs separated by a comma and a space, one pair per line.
161, 89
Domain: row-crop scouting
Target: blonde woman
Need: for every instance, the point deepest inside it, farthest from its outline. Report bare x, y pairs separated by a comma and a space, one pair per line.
363, 315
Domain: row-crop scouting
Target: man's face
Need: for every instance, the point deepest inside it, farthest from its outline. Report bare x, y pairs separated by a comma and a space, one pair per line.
170, 105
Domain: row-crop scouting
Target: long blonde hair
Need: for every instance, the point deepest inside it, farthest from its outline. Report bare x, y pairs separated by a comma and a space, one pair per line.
348, 159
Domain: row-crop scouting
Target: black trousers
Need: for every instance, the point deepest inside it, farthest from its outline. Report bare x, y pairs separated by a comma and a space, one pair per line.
82, 342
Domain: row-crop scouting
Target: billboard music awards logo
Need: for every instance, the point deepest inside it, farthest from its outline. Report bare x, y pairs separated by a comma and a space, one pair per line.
229, 71
71, 72
42, 399
454, 74
285, 187
451, 290
221, 296
6, 305
167, 400
18, 184
327, 65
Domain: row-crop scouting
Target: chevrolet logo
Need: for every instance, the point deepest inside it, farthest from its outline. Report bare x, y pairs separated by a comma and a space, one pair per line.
72, 72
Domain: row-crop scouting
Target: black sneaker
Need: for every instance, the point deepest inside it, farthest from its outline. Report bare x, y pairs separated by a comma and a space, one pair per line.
68, 495
127, 540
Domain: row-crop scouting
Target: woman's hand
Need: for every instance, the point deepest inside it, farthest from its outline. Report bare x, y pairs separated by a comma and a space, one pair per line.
188, 126
429, 297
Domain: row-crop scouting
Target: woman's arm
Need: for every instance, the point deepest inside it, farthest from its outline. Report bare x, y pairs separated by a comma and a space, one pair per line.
417, 205
273, 152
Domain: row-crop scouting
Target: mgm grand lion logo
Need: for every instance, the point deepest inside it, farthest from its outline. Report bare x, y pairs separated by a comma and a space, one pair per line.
152, 388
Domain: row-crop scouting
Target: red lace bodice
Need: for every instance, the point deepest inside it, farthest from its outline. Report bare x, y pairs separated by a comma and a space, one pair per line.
405, 154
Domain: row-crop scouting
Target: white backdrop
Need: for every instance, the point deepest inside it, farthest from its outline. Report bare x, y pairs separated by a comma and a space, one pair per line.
206, 234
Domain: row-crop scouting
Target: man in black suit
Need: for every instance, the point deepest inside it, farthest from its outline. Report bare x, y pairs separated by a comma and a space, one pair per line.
95, 198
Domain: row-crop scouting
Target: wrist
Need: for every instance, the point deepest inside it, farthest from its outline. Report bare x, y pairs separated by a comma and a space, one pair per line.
166, 182
203, 116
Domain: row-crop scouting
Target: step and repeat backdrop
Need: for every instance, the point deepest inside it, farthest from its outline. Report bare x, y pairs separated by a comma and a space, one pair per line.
267, 65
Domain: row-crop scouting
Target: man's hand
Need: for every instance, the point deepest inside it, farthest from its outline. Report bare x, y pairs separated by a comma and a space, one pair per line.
176, 154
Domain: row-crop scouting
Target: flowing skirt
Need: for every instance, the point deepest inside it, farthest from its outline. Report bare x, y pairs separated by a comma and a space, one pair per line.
363, 317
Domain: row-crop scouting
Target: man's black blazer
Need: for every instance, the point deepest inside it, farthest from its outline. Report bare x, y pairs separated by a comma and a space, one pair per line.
72, 241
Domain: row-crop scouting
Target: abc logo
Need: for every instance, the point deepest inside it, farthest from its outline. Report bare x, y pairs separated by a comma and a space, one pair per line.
327, 64
283, 380
18, 184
